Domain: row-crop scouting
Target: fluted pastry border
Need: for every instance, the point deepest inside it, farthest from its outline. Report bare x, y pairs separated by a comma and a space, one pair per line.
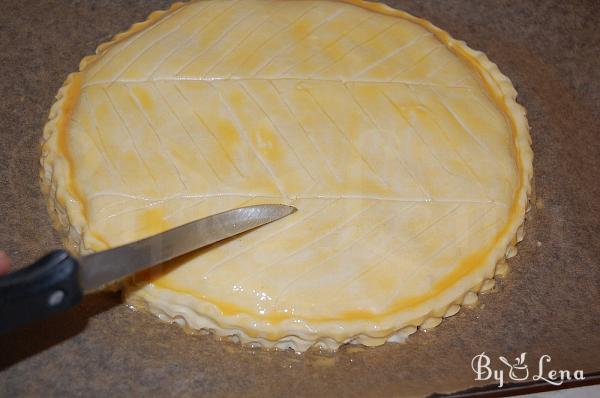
69, 216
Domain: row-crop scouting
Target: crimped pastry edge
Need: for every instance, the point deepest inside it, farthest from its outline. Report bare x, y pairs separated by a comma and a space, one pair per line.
69, 216
70, 220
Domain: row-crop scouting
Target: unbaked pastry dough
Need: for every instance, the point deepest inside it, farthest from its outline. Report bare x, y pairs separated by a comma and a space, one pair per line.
404, 151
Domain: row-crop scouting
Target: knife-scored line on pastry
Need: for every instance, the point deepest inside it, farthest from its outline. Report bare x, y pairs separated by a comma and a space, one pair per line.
153, 26
467, 164
182, 42
351, 111
197, 147
382, 257
338, 36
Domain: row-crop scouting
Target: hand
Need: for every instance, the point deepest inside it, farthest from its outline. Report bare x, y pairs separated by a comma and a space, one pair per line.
4, 262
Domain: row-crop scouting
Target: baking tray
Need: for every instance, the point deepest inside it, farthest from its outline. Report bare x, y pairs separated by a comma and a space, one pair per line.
548, 304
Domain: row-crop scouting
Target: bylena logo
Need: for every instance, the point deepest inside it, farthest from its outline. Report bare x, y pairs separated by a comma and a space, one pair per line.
519, 371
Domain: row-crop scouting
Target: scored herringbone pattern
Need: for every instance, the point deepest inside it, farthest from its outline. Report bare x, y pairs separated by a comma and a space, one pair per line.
382, 137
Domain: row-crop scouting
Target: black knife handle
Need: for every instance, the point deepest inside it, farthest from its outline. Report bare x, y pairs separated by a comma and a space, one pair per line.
48, 286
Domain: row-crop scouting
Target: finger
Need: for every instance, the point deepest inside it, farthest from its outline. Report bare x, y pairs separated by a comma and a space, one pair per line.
4, 262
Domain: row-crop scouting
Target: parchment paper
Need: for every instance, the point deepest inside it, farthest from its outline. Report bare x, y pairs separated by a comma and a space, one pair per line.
548, 304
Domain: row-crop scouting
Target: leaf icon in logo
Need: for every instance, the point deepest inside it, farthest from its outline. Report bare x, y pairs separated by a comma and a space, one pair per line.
505, 361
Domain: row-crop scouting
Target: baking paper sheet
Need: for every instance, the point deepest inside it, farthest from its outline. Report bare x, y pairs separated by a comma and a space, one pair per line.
549, 304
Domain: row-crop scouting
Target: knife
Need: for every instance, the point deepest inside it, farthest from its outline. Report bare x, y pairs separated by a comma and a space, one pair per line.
58, 281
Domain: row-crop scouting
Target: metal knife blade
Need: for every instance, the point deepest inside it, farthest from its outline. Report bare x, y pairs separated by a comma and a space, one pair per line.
101, 268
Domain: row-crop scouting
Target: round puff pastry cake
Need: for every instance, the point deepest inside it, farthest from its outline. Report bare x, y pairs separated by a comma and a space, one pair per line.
404, 151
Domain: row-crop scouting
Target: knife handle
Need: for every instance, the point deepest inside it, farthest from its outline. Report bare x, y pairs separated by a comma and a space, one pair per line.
48, 286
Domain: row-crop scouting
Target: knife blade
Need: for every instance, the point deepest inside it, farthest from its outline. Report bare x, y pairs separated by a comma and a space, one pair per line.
101, 268
58, 281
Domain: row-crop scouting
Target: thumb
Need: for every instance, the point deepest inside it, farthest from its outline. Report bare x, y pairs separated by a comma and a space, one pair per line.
4, 262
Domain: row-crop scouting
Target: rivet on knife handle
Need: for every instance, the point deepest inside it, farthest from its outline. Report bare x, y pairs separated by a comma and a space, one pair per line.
48, 286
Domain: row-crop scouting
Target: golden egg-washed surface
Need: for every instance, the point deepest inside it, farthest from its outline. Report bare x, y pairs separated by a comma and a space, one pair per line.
404, 151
